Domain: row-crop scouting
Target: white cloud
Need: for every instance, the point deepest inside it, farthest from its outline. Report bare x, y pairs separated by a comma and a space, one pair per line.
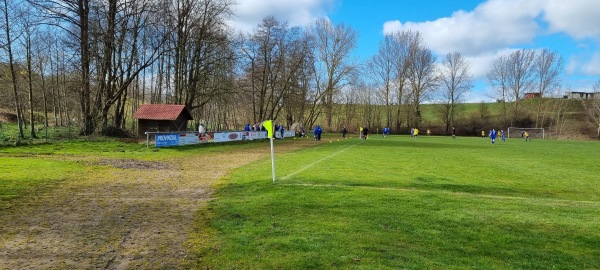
577, 18
498, 27
249, 13
497, 24
480, 64
592, 67
584, 64
492, 25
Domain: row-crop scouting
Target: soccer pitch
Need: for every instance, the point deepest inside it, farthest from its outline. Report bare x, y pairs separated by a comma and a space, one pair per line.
404, 203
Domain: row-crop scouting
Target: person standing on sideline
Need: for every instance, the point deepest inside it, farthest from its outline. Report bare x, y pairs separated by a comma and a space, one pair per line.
526, 136
281, 130
502, 135
344, 131
201, 132
201, 129
365, 133
247, 127
453, 133
318, 132
493, 135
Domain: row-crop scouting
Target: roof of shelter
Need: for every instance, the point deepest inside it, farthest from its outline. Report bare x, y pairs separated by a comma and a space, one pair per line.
162, 112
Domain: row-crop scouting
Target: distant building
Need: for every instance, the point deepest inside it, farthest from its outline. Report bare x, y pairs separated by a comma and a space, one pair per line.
533, 95
162, 117
580, 95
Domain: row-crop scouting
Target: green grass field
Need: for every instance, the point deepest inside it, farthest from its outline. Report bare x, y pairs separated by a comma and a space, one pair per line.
394, 203
401, 203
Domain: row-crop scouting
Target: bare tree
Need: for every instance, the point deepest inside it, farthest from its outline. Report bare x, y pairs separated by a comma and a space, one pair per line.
456, 80
334, 45
75, 15
421, 76
401, 50
276, 65
521, 77
28, 52
498, 79
594, 108
383, 70
547, 67
512, 76
116, 30
8, 24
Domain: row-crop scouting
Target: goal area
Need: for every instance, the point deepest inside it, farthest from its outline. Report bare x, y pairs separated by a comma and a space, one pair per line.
517, 132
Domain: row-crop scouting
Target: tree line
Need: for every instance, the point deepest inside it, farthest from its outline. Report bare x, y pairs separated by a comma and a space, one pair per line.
93, 63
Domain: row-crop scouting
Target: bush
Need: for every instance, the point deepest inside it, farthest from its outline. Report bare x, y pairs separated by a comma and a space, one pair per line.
116, 132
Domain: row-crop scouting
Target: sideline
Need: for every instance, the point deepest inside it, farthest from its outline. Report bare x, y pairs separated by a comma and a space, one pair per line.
315, 162
462, 194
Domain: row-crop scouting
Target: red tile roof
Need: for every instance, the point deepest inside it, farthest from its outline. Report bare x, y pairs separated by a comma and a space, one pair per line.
161, 112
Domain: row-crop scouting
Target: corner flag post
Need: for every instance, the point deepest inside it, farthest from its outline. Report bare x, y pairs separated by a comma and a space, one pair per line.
269, 127
272, 159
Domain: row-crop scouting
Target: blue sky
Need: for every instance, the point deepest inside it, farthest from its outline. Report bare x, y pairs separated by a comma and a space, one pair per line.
480, 30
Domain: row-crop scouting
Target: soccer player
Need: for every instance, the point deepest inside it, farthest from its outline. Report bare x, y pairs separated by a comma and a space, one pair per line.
527, 136
365, 133
482, 134
493, 135
428, 132
502, 135
344, 131
453, 133
416, 133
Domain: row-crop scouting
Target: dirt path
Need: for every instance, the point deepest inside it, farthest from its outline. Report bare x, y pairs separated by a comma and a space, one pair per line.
135, 216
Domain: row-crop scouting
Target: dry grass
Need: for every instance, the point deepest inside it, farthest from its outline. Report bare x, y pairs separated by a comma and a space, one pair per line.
120, 214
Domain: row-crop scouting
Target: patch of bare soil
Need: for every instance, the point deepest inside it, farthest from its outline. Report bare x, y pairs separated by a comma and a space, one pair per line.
136, 215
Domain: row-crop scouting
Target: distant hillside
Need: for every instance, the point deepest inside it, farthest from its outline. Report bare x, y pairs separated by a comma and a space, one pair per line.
562, 118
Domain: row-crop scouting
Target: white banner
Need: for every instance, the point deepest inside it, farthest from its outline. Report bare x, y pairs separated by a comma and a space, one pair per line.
255, 135
228, 136
188, 138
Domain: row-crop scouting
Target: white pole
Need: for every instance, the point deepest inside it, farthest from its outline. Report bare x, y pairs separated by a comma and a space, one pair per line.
272, 160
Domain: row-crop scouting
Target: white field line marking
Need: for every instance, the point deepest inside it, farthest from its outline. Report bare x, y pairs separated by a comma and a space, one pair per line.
463, 194
312, 164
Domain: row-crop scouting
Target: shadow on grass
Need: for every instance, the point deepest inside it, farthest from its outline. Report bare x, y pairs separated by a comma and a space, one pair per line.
422, 144
472, 189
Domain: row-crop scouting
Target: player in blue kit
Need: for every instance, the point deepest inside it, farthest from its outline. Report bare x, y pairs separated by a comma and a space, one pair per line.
493, 135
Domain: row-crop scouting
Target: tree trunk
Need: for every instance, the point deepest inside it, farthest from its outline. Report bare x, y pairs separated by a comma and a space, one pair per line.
13, 73
84, 95
30, 84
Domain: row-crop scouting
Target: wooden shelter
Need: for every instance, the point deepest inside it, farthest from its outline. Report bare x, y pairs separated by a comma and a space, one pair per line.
162, 117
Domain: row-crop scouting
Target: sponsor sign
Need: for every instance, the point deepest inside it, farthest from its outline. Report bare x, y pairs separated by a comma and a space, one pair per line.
188, 138
228, 136
167, 139
255, 135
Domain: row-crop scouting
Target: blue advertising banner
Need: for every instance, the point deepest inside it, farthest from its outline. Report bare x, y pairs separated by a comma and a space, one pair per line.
164, 140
